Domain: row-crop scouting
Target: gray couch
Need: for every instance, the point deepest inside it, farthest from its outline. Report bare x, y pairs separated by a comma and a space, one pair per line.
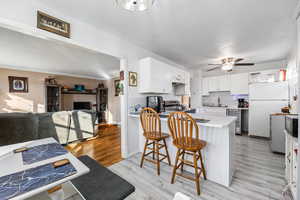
65, 126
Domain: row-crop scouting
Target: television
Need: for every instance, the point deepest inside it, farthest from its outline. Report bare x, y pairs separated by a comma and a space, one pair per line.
82, 106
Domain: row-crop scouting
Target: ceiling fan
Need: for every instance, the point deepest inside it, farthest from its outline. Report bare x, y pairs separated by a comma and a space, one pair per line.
229, 63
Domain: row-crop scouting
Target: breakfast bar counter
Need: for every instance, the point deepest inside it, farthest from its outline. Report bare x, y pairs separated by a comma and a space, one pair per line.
218, 132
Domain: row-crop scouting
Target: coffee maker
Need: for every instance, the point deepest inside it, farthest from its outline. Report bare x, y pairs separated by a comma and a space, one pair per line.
241, 103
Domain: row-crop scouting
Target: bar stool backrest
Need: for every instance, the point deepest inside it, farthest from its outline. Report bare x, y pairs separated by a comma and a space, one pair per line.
150, 121
183, 128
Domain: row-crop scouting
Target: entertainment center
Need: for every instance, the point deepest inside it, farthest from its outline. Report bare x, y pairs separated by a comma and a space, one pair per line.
77, 98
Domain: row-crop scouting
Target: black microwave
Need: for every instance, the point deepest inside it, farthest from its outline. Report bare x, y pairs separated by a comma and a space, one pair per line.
291, 125
155, 102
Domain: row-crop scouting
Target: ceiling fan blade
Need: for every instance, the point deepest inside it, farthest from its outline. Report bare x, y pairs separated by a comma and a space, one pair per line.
212, 69
238, 60
244, 64
214, 64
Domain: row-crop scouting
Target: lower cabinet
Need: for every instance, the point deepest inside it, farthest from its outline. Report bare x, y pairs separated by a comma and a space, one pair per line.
291, 163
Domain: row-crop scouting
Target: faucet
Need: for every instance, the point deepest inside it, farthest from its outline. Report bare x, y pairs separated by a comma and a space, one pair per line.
219, 102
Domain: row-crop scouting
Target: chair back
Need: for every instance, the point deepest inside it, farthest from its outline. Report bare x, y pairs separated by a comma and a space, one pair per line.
183, 128
150, 121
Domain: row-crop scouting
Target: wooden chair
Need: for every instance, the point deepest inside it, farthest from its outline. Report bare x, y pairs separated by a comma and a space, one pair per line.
151, 124
185, 134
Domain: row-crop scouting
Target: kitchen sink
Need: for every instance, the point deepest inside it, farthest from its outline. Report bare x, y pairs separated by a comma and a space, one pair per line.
163, 116
197, 120
202, 120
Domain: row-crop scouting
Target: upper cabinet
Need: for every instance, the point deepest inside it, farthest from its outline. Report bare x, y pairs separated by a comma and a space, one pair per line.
235, 83
216, 84
205, 86
155, 77
225, 83
158, 77
178, 76
240, 83
213, 84
183, 85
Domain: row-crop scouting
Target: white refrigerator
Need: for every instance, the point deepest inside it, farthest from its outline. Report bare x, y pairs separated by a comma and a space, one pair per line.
265, 99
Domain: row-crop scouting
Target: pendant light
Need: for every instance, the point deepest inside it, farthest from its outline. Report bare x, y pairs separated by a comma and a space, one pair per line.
135, 5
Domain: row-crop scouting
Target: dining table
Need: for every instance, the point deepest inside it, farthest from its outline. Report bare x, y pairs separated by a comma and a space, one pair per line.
12, 163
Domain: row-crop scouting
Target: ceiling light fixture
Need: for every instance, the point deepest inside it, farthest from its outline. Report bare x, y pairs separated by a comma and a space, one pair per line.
135, 5
227, 66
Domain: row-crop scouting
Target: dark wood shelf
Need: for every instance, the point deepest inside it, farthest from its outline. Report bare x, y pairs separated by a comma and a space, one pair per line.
78, 92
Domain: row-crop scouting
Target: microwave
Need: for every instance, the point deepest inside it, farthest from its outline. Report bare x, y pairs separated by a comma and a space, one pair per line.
155, 102
291, 125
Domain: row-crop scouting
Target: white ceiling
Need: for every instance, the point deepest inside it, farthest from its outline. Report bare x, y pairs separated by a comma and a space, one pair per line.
26, 52
196, 32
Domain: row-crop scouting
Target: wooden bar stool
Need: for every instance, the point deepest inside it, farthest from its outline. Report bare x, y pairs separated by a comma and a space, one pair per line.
151, 124
185, 134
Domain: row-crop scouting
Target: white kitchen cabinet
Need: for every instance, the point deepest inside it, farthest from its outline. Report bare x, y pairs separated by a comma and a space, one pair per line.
239, 83
155, 76
205, 86
178, 75
183, 89
214, 84
219, 83
224, 83
187, 83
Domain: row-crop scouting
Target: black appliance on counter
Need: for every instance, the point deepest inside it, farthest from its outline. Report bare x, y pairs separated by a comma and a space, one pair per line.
155, 102
173, 106
243, 103
291, 125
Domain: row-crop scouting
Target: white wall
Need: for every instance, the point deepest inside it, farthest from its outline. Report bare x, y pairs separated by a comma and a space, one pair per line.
114, 103
20, 15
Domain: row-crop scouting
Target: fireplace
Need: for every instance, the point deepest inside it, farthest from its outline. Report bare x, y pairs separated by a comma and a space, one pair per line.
82, 105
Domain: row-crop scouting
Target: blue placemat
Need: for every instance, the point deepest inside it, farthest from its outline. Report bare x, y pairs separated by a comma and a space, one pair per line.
25, 181
42, 152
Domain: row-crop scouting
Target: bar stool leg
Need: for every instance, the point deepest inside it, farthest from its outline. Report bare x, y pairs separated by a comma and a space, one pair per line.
183, 153
202, 165
197, 177
175, 166
153, 147
143, 156
157, 157
167, 152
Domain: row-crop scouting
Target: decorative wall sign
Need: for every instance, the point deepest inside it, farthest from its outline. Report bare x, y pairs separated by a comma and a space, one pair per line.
122, 75
53, 25
133, 79
18, 84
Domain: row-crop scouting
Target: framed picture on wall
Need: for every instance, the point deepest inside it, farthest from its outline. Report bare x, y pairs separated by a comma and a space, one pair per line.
53, 25
133, 79
118, 88
18, 84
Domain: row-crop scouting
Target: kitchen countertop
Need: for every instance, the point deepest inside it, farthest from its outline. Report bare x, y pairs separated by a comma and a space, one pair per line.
214, 121
229, 107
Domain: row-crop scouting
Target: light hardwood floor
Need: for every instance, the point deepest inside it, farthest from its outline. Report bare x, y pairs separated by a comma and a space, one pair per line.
259, 176
259, 173
105, 148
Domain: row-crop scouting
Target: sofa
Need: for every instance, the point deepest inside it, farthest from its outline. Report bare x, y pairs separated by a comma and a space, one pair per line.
64, 126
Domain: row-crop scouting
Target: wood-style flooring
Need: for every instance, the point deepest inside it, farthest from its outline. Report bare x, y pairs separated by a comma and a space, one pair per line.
259, 173
259, 176
105, 148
